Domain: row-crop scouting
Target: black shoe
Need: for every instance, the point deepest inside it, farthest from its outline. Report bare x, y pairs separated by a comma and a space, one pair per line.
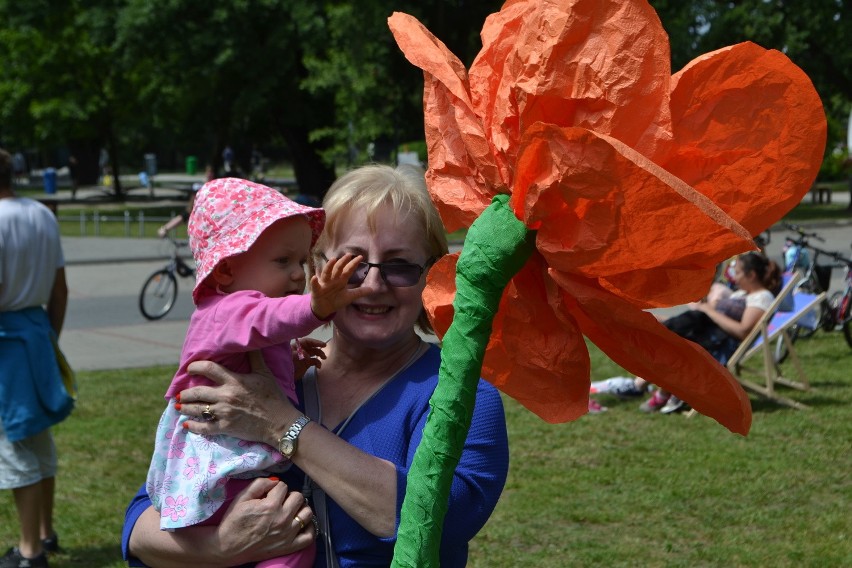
51, 544
13, 559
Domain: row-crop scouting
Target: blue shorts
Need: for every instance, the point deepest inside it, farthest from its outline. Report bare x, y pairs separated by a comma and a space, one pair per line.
27, 461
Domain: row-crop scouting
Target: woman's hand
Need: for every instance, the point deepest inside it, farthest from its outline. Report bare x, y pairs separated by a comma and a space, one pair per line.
247, 406
261, 522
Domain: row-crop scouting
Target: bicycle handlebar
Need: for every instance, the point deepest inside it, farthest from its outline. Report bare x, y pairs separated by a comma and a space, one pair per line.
841, 259
835, 255
176, 243
763, 239
804, 234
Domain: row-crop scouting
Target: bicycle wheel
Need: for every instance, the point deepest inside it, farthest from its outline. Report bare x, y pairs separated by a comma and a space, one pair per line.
816, 320
780, 351
818, 315
158, 295
844, 314
833, 318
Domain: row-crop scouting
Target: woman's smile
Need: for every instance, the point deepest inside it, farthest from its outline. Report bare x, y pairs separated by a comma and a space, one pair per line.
371, 310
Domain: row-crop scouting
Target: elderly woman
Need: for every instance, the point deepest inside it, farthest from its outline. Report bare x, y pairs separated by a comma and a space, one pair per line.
367, 404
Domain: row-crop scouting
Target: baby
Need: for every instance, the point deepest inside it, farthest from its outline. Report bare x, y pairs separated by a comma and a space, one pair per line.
250, 245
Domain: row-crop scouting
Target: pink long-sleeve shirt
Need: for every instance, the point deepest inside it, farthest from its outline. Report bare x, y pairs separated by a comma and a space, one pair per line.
225, 328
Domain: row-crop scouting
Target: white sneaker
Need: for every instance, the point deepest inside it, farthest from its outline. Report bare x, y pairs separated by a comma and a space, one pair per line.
674, 404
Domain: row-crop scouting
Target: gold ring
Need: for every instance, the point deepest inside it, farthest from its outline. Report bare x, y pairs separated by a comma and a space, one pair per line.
207, 415
301, 522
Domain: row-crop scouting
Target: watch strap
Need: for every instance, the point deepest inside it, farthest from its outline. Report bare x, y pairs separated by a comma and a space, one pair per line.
292, 433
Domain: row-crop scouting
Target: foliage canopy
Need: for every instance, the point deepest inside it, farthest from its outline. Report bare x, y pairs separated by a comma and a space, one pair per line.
321, 84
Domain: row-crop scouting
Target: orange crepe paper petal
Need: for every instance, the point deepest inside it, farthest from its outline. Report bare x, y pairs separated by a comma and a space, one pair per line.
639, 343
461, 165
749, 132
533, 356
660, 287
603, 210
589, 63
439, 293
429, 53
461, 177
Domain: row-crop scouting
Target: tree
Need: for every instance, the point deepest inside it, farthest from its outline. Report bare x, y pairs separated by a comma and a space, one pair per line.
59, 86
230, 74
377, 92
325, 78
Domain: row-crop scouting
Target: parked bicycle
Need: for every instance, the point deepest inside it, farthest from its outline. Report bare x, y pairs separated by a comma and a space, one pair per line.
160, 290
839, 316
816, 277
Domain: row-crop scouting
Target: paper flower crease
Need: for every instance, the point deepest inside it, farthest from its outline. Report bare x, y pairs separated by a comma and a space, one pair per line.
635, 182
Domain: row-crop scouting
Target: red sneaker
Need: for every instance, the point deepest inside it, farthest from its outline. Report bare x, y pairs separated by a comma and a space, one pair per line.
655, 403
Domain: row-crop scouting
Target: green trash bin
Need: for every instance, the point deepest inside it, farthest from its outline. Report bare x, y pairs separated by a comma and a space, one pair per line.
191, 165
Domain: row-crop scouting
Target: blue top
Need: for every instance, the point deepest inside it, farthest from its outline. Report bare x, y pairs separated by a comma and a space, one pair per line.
32, 394
389, 426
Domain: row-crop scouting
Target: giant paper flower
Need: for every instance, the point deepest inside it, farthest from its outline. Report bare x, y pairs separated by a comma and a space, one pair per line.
637, 183
570, 130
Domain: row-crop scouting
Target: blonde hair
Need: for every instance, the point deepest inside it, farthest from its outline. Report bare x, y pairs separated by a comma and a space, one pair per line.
365, 190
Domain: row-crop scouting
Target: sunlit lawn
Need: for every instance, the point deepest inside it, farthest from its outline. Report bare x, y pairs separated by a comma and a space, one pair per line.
628, 489
617, 489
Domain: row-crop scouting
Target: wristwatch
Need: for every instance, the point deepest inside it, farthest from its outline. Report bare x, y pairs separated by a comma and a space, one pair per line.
287, 443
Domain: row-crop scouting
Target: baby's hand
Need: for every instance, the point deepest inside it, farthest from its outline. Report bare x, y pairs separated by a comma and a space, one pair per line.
307, 352
329, 288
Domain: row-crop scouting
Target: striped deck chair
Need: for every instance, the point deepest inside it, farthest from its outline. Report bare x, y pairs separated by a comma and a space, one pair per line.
754, 357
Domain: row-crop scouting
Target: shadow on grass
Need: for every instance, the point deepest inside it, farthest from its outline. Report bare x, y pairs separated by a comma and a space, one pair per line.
760, 405
91, 557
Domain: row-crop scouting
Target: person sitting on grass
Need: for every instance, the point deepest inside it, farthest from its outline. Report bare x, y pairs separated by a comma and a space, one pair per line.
721, 321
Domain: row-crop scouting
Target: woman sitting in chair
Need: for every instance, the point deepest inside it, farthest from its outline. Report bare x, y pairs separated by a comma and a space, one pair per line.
721, 321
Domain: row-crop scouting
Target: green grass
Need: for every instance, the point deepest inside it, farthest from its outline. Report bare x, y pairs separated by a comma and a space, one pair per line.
819, 212
618, 489
807, 210
629, 489
104, 449
143, 221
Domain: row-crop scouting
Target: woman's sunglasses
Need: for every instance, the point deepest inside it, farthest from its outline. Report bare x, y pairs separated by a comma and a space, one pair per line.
396, 274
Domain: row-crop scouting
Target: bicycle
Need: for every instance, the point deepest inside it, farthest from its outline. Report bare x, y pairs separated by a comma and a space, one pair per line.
839, 314
160, 290
816, 277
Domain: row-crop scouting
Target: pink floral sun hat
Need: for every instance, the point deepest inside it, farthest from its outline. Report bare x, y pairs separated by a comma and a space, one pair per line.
230, 214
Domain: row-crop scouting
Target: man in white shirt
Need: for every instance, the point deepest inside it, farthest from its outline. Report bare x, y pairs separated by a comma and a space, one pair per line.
33, 298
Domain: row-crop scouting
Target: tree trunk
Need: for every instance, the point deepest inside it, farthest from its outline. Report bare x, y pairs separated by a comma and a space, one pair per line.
313, 176
849, 207
86, 152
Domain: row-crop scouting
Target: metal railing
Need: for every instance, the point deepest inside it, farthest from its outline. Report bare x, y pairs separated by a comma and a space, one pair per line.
94, 223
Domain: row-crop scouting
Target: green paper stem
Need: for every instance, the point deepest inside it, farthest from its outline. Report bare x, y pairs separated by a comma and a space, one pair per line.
495, 248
